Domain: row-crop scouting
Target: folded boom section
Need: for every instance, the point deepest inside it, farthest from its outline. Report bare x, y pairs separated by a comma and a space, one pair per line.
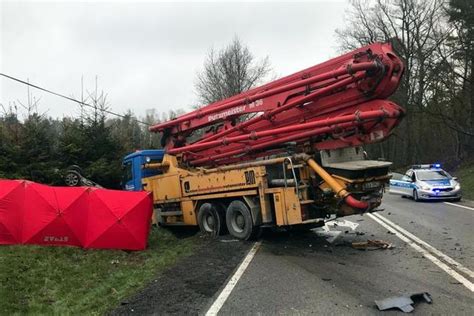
339, 103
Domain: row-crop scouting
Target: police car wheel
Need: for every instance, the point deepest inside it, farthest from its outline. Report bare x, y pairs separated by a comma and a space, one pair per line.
415, 196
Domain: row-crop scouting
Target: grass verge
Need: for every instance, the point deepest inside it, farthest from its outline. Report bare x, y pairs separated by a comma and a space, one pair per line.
68, 280
466, 177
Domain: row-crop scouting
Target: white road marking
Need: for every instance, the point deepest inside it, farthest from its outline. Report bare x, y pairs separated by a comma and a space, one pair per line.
220, 300
435, 251
459, 205
468, 284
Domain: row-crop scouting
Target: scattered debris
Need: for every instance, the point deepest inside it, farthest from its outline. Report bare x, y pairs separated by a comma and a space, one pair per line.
372, 245
342, 223
404, 303
332, 235
324, 232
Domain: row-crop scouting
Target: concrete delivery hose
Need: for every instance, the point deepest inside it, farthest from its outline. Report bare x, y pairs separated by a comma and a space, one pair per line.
335, 186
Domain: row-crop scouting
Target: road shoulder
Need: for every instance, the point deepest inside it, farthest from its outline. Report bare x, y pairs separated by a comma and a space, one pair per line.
189, 285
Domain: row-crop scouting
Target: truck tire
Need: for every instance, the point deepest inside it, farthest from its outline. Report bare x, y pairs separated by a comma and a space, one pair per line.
211, 219
239, 221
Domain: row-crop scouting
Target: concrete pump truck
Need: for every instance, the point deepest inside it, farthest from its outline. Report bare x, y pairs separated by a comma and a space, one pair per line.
285, 154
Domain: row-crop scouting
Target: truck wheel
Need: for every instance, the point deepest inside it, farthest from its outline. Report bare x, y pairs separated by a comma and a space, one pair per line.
239, 221
211, 219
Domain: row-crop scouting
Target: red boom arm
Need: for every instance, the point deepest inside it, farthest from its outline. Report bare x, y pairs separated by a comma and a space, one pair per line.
336, 104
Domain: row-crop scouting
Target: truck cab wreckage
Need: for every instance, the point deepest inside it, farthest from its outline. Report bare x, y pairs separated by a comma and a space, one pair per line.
287, 153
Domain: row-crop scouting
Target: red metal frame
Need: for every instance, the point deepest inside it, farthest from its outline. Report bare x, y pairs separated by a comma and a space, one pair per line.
336, 104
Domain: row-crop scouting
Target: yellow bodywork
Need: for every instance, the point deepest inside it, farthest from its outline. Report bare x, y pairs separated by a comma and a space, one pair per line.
287, 206
178, 192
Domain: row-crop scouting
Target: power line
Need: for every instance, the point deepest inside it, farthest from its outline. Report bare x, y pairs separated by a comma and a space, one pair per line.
69, 98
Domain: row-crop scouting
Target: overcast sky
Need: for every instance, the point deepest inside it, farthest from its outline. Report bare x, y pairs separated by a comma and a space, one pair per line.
146, 55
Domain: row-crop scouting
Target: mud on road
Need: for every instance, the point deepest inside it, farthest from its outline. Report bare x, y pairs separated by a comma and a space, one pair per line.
190, 284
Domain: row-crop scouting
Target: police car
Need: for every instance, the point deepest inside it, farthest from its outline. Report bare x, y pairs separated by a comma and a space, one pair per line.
426, 182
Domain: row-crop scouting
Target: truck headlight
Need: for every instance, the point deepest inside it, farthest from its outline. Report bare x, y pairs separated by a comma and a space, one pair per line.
147, 159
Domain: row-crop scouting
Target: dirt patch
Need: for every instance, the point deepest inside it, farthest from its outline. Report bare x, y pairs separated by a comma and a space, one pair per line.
188, 286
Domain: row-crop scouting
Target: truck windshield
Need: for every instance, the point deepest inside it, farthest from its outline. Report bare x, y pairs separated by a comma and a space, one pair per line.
431, 175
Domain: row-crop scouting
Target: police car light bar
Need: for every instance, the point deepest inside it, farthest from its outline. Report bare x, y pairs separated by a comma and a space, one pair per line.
427, 166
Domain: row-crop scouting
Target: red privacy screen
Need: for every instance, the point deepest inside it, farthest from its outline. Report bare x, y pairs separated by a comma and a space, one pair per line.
32, 213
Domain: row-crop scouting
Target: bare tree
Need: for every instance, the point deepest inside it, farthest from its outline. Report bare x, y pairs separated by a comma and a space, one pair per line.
229, 71
456, 75
421, 26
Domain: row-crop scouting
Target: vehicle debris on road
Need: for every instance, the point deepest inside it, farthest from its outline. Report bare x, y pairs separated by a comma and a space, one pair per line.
331, 234
404, 303
372, 245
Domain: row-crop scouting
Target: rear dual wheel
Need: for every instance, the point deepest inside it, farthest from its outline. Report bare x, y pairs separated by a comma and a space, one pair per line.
211, 219
239, 221
215, 220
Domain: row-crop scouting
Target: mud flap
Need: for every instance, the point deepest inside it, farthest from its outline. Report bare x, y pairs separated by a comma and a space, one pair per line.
255, 210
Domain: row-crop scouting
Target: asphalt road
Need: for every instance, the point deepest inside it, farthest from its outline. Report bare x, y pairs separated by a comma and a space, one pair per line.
305, 274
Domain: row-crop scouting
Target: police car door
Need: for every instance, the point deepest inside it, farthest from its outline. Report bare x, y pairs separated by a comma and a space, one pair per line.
403, 185
408, 183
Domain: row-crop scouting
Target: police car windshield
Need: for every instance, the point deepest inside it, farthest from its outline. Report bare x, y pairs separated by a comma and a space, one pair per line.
427, 175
